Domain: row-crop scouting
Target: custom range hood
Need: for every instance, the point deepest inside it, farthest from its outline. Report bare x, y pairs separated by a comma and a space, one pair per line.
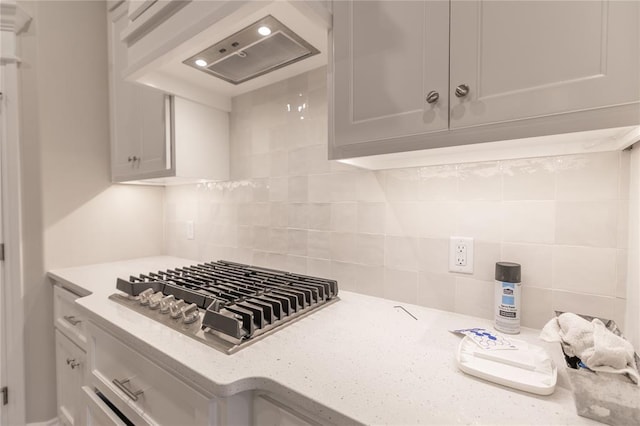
211, 51
262, 47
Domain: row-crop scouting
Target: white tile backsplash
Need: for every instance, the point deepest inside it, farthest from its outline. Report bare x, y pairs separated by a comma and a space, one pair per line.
386, 233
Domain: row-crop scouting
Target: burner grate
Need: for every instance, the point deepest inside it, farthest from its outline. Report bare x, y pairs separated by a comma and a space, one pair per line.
238, 302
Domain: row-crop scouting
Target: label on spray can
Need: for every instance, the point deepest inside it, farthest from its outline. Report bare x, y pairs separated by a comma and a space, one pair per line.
507, 307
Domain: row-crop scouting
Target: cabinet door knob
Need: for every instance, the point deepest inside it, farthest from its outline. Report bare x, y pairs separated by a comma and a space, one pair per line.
462, 90
133, 159
432, 97
71, 362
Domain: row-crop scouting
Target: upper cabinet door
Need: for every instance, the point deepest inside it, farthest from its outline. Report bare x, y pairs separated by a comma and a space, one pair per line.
388, 56
525, 59
140, 142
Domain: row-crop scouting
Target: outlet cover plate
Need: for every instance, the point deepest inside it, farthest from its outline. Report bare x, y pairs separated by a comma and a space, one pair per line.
461, 254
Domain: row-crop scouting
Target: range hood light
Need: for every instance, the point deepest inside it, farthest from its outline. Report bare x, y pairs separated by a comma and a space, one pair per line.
264, 31
201, 62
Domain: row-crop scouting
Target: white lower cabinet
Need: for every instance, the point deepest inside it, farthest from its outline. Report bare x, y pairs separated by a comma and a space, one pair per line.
96, 411
70, 363
144, 392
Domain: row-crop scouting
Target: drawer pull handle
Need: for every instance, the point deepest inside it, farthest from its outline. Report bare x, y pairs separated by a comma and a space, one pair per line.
71, 362
131, 394
72, 320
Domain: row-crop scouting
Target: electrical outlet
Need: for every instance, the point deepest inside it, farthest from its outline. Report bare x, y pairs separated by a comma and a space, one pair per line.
461, 255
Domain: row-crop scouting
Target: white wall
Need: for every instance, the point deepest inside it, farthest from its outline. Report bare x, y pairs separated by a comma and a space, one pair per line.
72, 214
386, 233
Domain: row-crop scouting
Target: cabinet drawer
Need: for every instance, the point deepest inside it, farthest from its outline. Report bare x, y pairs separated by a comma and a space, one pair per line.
67, 317
143, 391
70, 364
97, 412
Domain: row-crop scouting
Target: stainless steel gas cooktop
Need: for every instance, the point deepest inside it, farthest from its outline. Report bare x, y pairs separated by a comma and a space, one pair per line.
224, 304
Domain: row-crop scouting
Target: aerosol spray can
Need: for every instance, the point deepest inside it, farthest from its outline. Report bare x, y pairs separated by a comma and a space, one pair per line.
507, 298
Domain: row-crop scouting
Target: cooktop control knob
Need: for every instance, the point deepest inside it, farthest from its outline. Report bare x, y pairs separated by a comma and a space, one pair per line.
154, 301
175, 308
145, 295
190, 313
165, 303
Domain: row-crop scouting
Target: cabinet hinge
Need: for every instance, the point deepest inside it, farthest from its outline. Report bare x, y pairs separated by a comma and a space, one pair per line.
2, 251
5, 395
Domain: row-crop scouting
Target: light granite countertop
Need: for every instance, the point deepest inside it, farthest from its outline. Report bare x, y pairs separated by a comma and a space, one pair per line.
357, 360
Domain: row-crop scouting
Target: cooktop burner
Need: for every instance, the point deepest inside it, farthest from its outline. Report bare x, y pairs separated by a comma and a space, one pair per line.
224, 304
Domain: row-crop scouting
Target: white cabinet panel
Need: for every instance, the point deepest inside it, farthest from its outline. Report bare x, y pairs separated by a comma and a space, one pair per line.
504, 70
70, 364
524, 59
138, 116
387, 57
96, 411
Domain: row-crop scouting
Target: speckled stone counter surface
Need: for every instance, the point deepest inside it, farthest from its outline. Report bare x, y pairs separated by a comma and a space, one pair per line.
357, 360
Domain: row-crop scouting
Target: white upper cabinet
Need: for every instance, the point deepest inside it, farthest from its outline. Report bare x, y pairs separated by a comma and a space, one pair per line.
524, 59
149, 141
388, 56
415, 75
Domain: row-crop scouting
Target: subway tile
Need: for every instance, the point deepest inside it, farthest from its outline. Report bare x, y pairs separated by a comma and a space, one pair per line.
587, 223
245, 236
438, 183
535, 261
370, 187
370, 249
474, 297
536, 306
343, 186
529, 179
320, 268
278, 188
298, 162
400, 285
482, 220
345, 273
261, 214
584, 270
297, 264
297, 242
401, 185
317, 159
261, 165
401, 253
528, 221
276, 260
371, 217
588, 177
585, 304
440, 218
279, 215
433, 255
261, 238
370, 280
404, 219
298, 215
437, 290
319, 244
620, 313
260, 190
298, 188
344, 216
278, 240
480, 181
485, 256
279, 164
319, 188
320, 216
343, 246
